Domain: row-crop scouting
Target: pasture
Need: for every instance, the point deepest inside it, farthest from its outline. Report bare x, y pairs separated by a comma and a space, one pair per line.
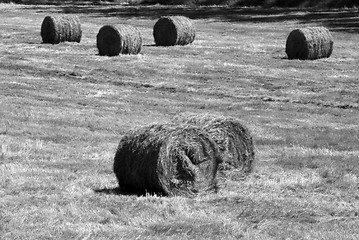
64, 109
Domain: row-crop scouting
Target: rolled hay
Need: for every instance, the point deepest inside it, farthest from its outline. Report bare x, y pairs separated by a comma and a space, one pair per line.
167, 160
174, 30
233, 138
309, 43
56, 29
121, 39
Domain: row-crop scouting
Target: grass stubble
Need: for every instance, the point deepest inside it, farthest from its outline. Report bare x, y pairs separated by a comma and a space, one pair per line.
64, 110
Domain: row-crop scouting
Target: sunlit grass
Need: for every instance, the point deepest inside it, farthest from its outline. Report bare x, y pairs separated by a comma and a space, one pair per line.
64, 110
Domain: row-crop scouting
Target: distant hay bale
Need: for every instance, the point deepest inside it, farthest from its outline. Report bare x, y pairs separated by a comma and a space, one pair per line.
233, 138
174, 30
167, 160
120, 39
56, 29
309, 43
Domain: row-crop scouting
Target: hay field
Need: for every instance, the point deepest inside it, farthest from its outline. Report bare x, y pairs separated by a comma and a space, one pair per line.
64, 109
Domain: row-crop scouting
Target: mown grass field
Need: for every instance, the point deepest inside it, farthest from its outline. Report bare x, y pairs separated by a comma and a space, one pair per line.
64, 109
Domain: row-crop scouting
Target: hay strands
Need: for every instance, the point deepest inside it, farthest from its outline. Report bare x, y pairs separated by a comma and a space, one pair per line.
167, 160
309, 43
232, 136
56, 29
174, 30
120, 39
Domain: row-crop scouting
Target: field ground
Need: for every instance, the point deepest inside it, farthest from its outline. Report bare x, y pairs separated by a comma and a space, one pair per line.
64, 109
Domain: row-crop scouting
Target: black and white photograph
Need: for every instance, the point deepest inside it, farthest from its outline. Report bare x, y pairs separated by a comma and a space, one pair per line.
179, 119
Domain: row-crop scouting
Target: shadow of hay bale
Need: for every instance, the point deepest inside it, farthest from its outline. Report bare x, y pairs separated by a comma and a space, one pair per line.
56, 29
174, 30
120, 39
233, 138
115, 191
309, 43
167, 160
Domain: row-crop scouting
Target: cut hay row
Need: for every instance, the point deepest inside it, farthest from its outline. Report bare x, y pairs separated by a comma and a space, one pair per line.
167, 160
233, 138
174, 30
309, 43
122, 39
56, 29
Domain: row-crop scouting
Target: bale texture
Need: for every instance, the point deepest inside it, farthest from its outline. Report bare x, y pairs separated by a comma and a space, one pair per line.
233, 138
58, 29
121, 39
167, 160
309, 43
174, 30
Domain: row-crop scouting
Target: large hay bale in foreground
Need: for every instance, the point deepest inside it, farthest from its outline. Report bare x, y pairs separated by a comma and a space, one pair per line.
233, 138
174, 30
56, 29
120, 39
309, 43
167, 160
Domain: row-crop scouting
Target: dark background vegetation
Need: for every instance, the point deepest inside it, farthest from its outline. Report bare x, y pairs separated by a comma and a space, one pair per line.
268, 3
233, 3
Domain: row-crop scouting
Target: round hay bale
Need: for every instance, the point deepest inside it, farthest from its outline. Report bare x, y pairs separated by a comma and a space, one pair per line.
56, 29
233, 138
309, 43
167, 160
124, 39
174, 30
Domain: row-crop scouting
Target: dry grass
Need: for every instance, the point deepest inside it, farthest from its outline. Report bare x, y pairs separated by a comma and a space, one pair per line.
174, 30
231, 135
167, 160
56, 29
64, 110
309, 43
122, 39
